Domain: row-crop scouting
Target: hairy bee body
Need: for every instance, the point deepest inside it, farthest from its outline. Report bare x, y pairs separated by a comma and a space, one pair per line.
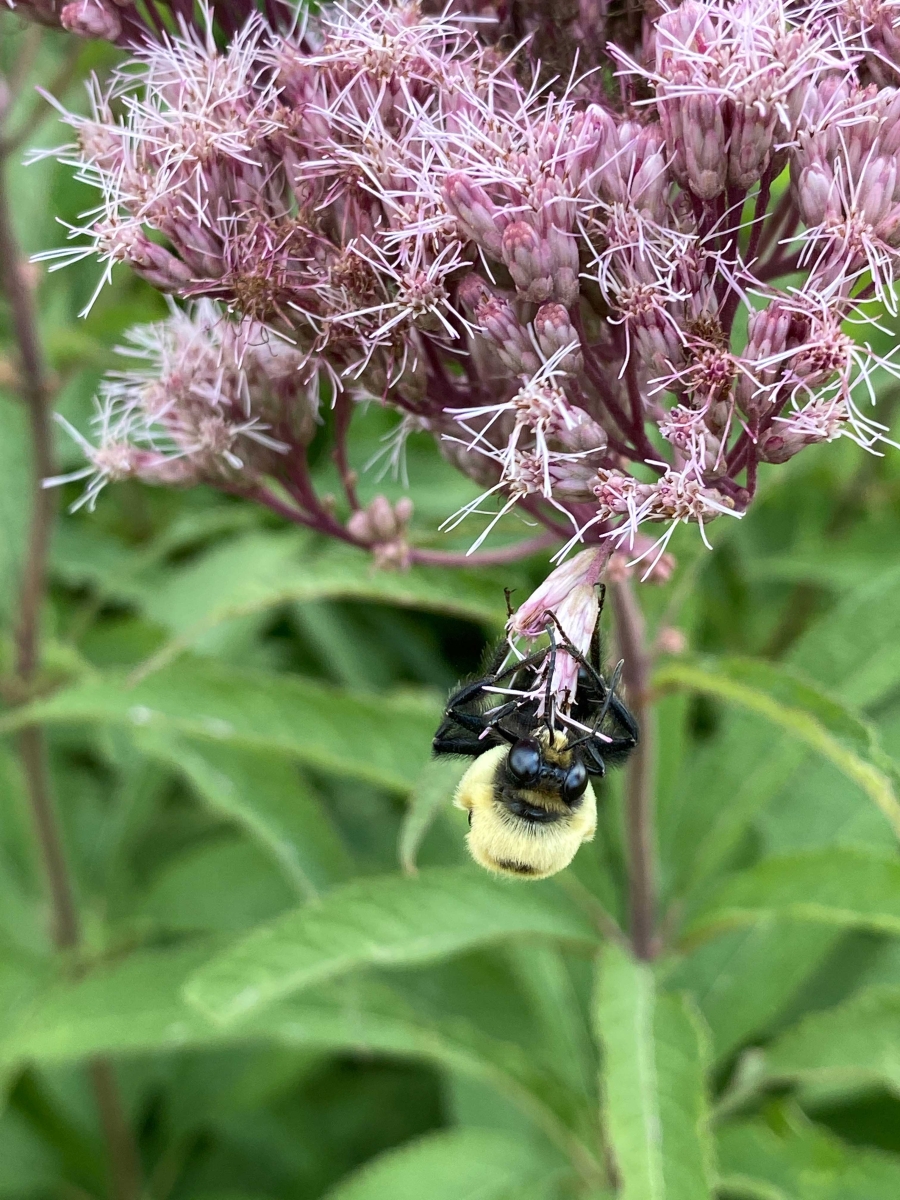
529, 832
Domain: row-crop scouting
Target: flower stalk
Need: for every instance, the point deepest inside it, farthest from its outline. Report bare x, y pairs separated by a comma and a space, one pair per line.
639, 778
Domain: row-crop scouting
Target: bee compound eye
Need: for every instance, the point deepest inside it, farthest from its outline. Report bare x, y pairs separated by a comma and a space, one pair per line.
524, 762
576, 782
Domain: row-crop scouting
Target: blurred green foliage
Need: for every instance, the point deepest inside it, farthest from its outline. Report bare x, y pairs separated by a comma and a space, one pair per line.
304, 987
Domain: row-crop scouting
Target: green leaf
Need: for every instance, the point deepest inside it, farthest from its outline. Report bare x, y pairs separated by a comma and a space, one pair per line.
654, 1090
851, 888
855, 649
389, 921
802, 1162
383, 740
744, 978
725, 783
264, 795
222, 885
134, 1005
137, 1006
459, 1164
264, 570
855, 1042
433, 791
27, 1164
801, 710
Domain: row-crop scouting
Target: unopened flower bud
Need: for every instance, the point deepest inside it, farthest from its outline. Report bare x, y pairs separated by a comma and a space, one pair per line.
554, 330
382, 519
671, 641
580, 434
528, 258
472, 292
563, 265
498, 320
820, 421
706, 162
817, 194
91, 19
360, 527
157, 264
477, 214
749, 150
381, 524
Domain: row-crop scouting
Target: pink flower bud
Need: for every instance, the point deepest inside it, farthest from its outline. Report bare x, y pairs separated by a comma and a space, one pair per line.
158, 265
382, 519
706, 162
498, 319
403, 510
817, 194
91, 19
554, 329
671, 641
476, 212
752, 139
528, 258
876, 188
820, 421
563, 265
360, 527
472, 292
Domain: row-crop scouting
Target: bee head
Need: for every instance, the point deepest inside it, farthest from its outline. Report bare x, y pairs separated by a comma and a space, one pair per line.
530, 807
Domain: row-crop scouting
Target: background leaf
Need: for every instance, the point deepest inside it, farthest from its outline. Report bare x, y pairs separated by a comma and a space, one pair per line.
806, 714
836, 887
855, 1042
381, 740
264, 795
654, 1091
389, 921
463, 1164
800, 1162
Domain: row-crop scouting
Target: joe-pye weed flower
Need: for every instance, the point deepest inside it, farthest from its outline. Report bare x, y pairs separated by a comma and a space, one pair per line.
610, 284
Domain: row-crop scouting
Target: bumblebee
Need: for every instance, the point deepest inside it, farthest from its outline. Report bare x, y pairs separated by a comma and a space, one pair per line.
528, 793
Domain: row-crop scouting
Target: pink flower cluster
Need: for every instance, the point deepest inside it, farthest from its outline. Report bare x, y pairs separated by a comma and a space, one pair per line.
610, 286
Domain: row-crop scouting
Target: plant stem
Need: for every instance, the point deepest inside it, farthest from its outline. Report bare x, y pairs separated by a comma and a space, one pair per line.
639, 814
35, 393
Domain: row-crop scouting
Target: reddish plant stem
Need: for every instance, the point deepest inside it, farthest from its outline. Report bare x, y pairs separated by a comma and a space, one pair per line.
484, 558
759, 215
35, 393
778, 266
777, 219
639, 783
645, 449
342, 416
730, 307
422, 555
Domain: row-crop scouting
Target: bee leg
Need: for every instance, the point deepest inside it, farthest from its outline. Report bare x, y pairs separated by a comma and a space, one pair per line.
445, 743
622, 714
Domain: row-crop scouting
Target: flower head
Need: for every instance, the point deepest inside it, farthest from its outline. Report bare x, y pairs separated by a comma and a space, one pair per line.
549, 274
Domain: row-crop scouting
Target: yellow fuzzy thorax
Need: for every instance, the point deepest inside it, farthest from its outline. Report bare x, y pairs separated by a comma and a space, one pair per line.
507, 844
